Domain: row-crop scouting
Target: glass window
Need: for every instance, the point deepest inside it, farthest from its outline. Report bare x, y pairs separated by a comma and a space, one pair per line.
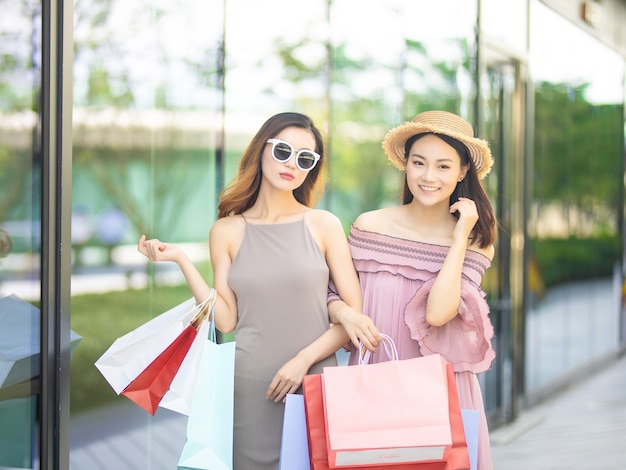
147, 120
504, 25
576, 188
166, 98
20, 209
398, 63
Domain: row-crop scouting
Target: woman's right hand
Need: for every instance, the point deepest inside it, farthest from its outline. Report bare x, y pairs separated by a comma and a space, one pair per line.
156, 250
360, 328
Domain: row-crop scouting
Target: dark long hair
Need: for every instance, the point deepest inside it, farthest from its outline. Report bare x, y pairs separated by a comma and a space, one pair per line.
243, 190
484, 232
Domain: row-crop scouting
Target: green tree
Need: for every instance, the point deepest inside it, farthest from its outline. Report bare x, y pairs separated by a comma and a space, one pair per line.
577, 152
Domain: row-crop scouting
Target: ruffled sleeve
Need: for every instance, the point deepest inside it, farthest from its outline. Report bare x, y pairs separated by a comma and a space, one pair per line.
465, 341
332, 293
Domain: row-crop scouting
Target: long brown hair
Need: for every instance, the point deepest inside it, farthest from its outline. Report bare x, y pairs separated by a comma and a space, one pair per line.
243, 190
484, 232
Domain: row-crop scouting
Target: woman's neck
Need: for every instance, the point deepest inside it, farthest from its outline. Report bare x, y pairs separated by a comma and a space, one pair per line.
275, 207
427, 222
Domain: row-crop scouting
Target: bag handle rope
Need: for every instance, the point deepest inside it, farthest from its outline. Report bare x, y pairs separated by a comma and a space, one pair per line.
388, 345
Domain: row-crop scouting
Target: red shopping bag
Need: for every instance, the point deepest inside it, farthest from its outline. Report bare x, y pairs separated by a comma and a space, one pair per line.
156, 363
389, 412
457, 455
150, 386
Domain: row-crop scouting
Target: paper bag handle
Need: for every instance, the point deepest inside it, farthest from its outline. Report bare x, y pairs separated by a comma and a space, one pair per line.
207, 307
388, 345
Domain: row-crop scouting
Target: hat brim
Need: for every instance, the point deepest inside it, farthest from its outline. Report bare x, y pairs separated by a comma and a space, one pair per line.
396, 138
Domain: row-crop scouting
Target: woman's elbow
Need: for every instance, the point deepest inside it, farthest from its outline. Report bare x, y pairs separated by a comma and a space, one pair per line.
436, 319
226, 327
225, 331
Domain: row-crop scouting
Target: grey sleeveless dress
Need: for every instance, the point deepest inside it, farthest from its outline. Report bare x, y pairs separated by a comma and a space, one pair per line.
280, 278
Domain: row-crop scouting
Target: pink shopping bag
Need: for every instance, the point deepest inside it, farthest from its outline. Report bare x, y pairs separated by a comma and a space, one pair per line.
389, 412
462, 422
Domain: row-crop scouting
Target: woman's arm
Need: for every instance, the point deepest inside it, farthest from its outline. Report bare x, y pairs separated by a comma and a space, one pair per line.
223, 233
445, 295
289, 377
329, 234
225, 306
156, 250
348, 310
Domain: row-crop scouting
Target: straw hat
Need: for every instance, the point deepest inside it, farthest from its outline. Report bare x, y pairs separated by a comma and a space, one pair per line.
438, 122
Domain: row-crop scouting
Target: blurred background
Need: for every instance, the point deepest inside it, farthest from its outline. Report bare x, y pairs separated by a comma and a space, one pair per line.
161, 100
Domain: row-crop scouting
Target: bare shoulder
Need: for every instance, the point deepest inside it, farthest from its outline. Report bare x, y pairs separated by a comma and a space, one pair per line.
488, 252
376, 220
227, 229
322, 220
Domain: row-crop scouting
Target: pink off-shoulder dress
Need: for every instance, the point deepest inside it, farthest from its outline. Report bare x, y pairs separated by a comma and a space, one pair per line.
396, 276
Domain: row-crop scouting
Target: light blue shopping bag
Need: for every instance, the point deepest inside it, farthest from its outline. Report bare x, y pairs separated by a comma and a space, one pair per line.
470, 425
209, 443
294, 446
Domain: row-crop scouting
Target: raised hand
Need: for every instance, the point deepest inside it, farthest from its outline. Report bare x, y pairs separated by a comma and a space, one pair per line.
468, 216
156, 250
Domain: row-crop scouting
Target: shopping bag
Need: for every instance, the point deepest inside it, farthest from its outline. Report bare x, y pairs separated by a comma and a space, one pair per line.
470, 425
209, 442
294, 448
178, 397
315, 422
411, 422
144, 363
20, 341
150, 386
457, 458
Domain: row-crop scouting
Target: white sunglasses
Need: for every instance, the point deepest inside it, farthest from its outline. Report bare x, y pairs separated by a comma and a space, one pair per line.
282, 151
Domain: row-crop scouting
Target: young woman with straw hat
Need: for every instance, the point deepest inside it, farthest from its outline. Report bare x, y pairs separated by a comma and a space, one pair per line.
420, 264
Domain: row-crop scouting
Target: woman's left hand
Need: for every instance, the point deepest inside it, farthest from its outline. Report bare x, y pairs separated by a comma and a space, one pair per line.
288, 379
468, 216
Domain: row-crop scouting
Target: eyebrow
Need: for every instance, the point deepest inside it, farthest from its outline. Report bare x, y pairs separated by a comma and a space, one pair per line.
442, 159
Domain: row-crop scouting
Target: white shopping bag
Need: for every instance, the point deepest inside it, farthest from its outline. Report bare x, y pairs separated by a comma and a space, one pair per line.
178, 397
132, 353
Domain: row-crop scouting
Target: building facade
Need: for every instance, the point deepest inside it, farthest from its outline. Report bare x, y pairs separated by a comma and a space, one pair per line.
122, 118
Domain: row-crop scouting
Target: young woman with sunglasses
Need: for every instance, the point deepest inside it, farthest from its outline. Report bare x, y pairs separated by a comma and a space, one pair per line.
272, 257
420, 264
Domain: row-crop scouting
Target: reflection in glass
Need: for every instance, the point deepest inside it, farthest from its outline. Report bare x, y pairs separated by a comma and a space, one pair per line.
148, 127
20, 52
575, 207
150, 80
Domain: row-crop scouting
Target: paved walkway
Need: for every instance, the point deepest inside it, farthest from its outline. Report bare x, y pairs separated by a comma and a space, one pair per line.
582, 428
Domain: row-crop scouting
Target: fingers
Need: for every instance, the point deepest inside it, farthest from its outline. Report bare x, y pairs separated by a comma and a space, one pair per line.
371, 339
363, 331
141, 245
278, 389
272, 391
151, 248
368, 337
464, 205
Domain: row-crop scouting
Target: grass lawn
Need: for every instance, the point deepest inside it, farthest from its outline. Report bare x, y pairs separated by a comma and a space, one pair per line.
102, 318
